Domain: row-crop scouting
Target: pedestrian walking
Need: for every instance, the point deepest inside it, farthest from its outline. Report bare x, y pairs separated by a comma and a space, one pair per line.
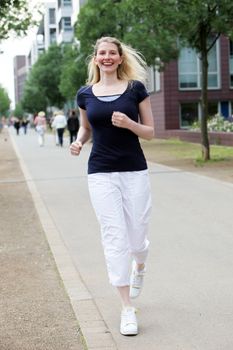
115, 108
73, 125
25, 125
40, 123
17, 125
59, 123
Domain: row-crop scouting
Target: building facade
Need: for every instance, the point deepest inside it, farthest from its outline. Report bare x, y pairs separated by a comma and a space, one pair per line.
20, 75
176, 98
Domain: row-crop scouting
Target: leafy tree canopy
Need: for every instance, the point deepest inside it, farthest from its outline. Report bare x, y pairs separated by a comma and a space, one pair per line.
73, 72
18, 112
153, 26
16, 17
42, 86
157, 28
4, 101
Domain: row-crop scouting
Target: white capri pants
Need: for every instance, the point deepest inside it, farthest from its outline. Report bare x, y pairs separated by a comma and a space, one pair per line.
122, 203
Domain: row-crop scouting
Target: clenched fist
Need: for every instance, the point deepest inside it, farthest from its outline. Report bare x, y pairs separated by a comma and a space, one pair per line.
75, 148
121, 120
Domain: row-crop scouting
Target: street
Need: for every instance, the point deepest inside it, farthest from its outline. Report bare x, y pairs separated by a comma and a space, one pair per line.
187, 301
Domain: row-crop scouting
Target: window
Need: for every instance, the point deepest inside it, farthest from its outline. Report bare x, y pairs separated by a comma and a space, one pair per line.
67, 2
231, 64
213, 108
67, 23
153, 83
52, 37
188, 69
188, 114
189, 66
52, 18
64, 3
151, 79
157, 80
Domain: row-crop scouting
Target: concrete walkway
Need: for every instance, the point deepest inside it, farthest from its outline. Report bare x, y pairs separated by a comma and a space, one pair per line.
187, 302
35, 310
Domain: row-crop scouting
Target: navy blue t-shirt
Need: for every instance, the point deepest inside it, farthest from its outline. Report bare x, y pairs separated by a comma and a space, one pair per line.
114, 148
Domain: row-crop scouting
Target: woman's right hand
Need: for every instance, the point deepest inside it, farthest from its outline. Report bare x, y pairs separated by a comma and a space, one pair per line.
75, 148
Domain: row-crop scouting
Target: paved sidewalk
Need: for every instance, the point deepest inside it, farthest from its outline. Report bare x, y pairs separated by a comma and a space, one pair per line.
187, 301
35, 311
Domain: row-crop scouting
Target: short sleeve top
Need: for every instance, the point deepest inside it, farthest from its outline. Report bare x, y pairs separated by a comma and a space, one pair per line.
114, 149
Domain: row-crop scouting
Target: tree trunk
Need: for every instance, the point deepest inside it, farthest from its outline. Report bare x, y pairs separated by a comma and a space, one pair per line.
204, 96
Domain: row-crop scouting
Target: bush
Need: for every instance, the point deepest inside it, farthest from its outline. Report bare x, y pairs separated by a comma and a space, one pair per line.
216, 123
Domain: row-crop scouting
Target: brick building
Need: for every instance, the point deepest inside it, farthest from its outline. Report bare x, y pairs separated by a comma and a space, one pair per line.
175, 92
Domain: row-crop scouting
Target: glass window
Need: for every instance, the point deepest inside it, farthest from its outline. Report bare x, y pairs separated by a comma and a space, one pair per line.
53, 37
153, 82
67, 2
231, 64
212, 109
52, 18
151, 79
67, 23
157, 80
188, 114
189, 66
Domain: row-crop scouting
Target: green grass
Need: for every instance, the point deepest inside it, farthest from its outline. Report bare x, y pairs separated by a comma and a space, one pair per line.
175, 149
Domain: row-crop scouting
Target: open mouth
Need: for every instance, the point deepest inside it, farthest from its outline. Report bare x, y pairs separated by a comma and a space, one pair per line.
107, 63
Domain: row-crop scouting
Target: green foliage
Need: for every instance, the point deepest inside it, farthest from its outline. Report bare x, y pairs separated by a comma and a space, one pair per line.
73, 72
133, 22
216, 123
18, 112
99, 18
15, 16
42, 86
4, 102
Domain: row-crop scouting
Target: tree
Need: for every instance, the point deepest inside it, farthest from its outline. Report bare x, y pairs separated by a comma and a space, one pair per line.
159, 28
209, 19
18, 112
197, 24
108, 20
15, 16
42, 86
128, 22
4, 101
73, 72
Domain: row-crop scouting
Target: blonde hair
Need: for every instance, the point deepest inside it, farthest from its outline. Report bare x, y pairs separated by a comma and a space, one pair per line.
133, 66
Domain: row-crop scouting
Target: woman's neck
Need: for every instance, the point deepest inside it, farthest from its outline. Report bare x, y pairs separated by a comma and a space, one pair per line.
108, 80
109, 85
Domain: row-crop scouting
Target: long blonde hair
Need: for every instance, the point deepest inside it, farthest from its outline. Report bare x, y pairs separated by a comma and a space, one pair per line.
133, 66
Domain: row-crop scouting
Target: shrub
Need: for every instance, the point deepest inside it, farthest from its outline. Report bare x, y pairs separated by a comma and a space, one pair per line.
216, 123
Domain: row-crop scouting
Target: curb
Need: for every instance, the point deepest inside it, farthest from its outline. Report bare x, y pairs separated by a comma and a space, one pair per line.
95, 333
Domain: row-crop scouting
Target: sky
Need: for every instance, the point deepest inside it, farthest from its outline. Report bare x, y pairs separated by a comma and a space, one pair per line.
8, 50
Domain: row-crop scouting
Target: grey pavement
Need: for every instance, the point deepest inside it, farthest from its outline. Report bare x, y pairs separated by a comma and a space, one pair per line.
187, 301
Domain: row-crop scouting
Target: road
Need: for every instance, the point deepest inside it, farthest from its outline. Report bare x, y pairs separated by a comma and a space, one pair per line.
187, 302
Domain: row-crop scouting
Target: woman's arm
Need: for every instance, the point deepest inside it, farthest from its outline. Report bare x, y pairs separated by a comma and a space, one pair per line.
84, 133
144, 129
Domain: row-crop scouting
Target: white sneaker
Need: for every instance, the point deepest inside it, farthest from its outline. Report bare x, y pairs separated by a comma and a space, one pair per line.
129, 325
136, 281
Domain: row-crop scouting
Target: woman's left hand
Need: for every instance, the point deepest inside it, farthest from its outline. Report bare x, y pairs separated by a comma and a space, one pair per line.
121, 120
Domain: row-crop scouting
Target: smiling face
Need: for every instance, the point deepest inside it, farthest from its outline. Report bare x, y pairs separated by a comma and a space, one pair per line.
107, 57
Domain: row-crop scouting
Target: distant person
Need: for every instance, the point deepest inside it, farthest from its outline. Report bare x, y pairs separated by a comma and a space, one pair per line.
17, 125
24, 125
40, 123
115, 108
59, 124
73, 125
